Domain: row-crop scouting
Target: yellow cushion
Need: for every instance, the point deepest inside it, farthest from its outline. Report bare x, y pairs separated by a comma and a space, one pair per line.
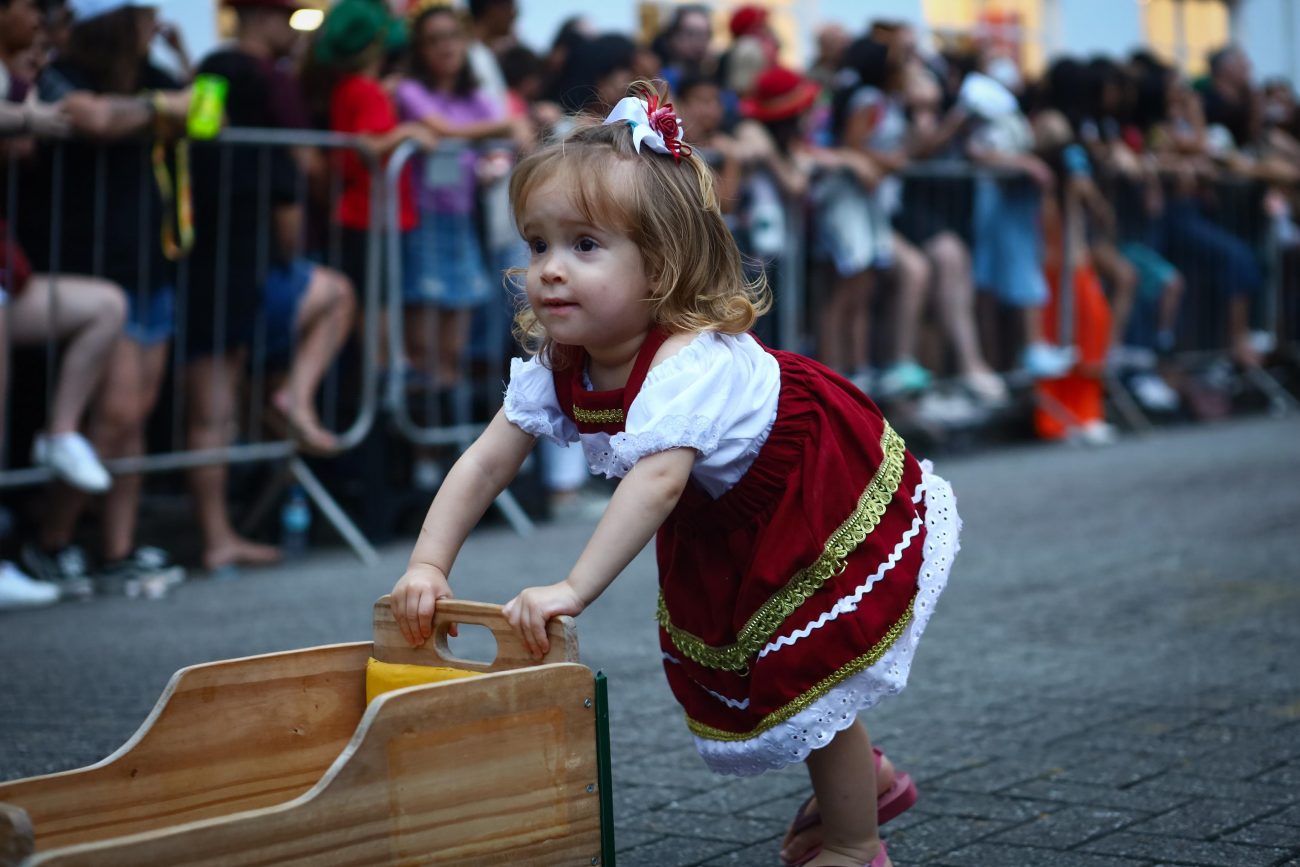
382, 677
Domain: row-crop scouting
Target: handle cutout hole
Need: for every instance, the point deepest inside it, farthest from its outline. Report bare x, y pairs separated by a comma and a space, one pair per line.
475, 644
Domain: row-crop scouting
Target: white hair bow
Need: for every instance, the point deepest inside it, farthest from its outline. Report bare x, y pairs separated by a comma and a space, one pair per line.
653, 123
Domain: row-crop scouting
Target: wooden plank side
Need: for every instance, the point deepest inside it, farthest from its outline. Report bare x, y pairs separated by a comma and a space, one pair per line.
225, 737
487, 771
511, 653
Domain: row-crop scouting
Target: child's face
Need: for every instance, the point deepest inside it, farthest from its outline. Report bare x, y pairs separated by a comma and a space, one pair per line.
586, 284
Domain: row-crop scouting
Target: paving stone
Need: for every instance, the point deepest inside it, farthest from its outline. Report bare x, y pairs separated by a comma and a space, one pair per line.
708, 826
627, 838
674, 852
744, 795
1204, 787
1069, 827
757, 855
926, 840
1115, 768
1267, 834
630, 801
1287, 775
997, 775
995, 855
1144, 799
973, 805
1289, 816
1180, 851
1204, 818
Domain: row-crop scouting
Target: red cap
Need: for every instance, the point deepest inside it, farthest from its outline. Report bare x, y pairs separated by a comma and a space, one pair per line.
779, 94
747, 19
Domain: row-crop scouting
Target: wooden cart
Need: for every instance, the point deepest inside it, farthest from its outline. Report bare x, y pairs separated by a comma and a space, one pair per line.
276, 759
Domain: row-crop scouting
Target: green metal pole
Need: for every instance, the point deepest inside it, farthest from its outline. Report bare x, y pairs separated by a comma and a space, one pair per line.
605, 771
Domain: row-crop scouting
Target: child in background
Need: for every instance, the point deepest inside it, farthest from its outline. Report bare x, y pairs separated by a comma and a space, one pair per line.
450, 279
1008, 244
350, 50
1072, 406
801, 548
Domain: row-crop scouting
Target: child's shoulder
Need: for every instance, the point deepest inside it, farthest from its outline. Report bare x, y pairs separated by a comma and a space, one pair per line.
701, 350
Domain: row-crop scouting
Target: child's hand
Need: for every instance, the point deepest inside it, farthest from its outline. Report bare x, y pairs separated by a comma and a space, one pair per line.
529, 612
413, 600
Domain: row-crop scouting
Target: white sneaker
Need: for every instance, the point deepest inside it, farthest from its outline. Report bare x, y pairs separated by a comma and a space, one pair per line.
72, 458
987, 388
1045, 361
1095, 433
20, 591
1153, 392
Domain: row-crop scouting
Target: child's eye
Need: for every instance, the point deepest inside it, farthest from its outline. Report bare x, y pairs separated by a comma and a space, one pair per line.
586, 245
537, 246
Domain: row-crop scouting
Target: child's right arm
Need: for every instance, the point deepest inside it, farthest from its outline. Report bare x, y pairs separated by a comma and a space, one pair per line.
474, 481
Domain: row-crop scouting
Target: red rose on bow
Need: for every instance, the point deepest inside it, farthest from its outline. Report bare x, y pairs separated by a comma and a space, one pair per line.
664, 121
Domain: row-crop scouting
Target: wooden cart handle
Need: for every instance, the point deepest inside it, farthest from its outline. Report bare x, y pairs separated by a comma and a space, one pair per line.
511, 653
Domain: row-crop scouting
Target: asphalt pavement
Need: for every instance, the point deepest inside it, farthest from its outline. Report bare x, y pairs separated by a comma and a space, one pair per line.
1112, 678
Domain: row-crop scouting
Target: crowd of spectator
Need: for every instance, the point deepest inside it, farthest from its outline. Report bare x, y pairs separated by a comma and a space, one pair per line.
929, 200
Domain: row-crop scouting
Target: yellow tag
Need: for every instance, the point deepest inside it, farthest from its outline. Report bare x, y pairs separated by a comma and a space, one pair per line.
382, 677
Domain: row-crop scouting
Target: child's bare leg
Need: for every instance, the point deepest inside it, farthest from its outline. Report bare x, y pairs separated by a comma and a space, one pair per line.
844, 779
843, 771
794, 846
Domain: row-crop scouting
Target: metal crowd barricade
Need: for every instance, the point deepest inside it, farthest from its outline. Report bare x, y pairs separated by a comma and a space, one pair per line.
424, 411
255, 448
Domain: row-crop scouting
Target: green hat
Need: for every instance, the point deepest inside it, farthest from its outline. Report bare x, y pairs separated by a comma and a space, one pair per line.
352, 26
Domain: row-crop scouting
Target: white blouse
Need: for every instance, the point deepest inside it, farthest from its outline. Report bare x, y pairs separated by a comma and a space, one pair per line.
718, 395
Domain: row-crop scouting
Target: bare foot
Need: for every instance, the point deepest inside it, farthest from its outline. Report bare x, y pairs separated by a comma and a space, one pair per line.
301, 423
240, 552
1244, 353
796, 846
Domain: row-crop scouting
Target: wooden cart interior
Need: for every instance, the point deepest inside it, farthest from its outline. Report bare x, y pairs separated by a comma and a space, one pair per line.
276, 759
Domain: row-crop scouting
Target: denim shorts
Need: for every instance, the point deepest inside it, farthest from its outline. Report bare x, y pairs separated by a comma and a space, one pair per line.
151, 316
448, 263
282, 293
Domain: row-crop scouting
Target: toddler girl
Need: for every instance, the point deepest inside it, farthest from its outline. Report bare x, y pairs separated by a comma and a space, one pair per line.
801, 548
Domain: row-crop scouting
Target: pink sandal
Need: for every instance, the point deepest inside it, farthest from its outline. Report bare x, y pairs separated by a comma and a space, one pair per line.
899, 799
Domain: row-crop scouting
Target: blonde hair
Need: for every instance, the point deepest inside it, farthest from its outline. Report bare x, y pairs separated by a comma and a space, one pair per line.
669, 209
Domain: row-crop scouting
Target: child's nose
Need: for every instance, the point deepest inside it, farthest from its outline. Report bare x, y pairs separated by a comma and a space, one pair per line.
552, 270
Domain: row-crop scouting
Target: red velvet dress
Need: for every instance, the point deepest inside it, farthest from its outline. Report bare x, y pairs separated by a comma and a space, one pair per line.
795, 598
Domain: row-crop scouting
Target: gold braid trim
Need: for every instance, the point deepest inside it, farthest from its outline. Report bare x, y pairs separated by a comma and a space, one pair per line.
801, 703
771, 614
598, 416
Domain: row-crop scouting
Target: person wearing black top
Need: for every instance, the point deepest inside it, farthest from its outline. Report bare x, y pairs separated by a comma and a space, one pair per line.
244, 269
100, 190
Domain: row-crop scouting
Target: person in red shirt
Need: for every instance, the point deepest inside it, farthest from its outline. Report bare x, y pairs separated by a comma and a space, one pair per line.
352, 44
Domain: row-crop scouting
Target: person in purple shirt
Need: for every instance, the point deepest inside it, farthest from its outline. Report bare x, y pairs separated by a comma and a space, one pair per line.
452, 280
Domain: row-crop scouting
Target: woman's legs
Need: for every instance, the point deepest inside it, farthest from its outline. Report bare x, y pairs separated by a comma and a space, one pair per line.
322, 325
843, 326
212, 386
88, 314
954, 294
912, 275
1122, 278
135, 374
453, 334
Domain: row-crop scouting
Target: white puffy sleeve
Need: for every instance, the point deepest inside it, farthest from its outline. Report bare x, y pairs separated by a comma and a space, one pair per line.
717, 396
531, 404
